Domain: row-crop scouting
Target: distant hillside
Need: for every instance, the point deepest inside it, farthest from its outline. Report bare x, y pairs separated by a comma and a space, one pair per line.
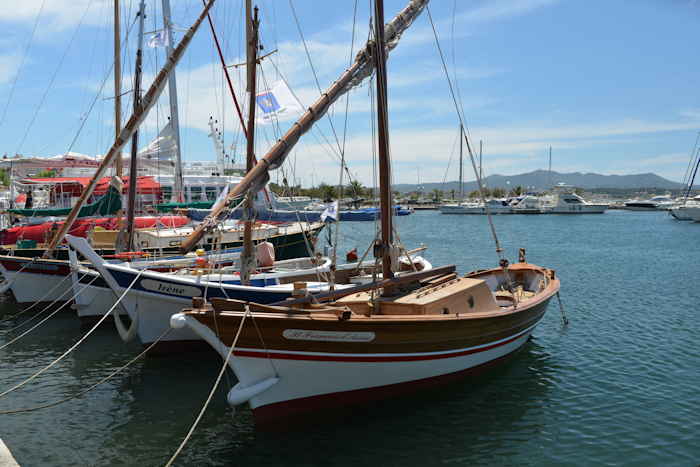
542, 180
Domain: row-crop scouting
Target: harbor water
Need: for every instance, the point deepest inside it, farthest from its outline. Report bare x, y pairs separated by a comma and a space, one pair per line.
618, 386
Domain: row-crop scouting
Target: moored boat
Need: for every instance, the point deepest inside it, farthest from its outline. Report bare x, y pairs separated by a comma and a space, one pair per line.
358, 349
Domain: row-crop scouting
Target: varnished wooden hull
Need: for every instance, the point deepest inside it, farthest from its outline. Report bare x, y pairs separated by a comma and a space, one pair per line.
321, 362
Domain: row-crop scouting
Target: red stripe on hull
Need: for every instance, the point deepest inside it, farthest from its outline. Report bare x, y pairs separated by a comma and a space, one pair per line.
49, 270
353, 358
272, 416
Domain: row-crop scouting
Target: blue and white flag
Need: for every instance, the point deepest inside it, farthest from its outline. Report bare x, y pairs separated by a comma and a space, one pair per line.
159, 39
275, 103
331, 212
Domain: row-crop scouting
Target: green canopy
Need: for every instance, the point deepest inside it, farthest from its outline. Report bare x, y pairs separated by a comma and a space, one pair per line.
108, 204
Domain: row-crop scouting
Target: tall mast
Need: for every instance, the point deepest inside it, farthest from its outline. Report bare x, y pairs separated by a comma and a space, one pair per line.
251, 29
172, 93
133, 164
148, 100
550, 167
362, 68
461, 176
481, 173
384, 248
117, 84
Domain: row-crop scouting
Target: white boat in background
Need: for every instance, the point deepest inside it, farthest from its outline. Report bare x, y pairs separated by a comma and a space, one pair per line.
682, 210
657, 203
693, 213
527, 204
496, 206
565, 201
293, 203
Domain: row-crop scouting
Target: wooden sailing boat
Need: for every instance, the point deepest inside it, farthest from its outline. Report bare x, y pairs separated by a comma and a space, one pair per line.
393, 335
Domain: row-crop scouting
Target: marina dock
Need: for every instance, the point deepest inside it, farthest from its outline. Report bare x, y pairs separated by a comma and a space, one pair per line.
6, 459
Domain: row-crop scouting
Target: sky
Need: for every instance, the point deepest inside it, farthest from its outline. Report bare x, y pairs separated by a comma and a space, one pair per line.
610, 85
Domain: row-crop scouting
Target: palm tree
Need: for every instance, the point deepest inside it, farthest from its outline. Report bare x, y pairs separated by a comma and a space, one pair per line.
437, 195
327, 191
356, 189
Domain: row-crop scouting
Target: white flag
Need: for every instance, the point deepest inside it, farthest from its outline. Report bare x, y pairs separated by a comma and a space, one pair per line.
276, 103
159, 39
331, 212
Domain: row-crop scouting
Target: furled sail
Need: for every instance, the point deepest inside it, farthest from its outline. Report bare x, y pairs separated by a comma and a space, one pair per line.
362, 67
162, 148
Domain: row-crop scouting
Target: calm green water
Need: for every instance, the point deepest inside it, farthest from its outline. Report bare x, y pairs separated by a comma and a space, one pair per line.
619, 386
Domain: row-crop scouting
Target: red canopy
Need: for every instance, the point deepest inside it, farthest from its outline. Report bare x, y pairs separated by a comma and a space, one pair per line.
144, 185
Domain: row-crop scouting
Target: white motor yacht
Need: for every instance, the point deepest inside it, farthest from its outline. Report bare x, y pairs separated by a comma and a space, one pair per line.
528, 204
565, 201
657, 203
496, 206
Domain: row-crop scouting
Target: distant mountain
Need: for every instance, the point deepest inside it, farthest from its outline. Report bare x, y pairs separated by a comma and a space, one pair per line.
542, 180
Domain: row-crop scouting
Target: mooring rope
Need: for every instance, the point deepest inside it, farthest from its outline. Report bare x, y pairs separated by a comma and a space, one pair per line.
564, 319
46, 308
49, 315
90, 388
74, 346
213, 390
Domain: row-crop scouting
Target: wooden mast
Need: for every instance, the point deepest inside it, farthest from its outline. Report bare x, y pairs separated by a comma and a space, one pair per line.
252, 24
133, 163
117, 85
149, 99
384, 247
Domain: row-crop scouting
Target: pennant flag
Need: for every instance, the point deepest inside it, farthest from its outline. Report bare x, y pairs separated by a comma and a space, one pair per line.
331, 212
276, 102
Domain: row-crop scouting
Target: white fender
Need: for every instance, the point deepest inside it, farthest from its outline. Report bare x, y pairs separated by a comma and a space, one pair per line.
240, 394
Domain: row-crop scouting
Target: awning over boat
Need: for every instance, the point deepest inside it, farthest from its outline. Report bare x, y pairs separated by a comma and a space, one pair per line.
146, 185
107, 204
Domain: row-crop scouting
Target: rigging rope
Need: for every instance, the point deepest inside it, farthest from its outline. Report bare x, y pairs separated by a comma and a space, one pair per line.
21, 64
334, 259
89, 388
213, 390
499, 250
47, 317
80, 341
313, 69
99, 93
53, 77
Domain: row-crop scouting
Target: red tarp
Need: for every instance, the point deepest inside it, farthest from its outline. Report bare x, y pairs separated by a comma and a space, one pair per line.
76, 185
40, 232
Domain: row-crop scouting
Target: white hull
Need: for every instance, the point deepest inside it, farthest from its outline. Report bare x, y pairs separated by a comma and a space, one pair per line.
680, 213
300, 376
693, 213
31, 288
92, 302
